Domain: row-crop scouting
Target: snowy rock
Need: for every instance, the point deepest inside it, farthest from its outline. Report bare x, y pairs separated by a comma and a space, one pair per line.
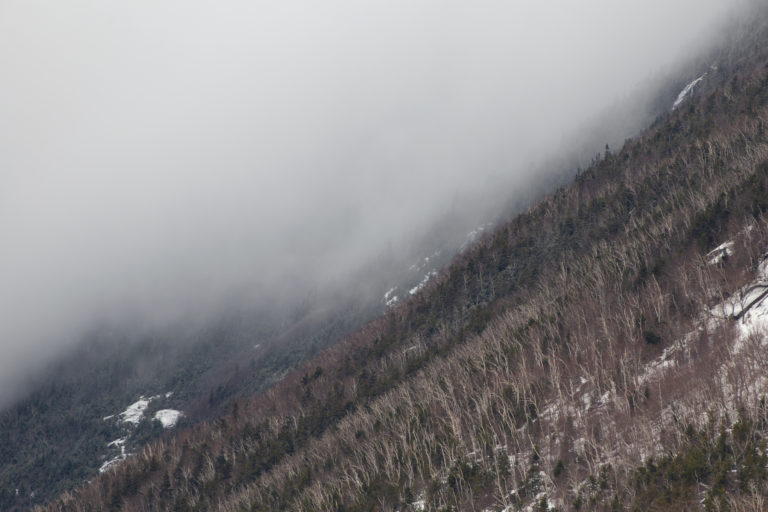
168, 417
135, 412
720, 253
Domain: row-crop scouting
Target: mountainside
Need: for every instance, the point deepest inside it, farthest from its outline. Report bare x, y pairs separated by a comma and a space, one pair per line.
602, 351
68, 428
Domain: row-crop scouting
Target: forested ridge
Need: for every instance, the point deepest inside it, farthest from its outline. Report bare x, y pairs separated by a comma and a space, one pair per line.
576, 358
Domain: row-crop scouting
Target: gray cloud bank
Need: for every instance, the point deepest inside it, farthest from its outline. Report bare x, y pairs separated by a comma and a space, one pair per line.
156, 156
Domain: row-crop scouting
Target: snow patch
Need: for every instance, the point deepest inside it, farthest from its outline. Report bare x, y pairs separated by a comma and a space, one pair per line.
111, 462
720, 253
117, 443
423, 283
130, 418
754, 310
747, 303
135, 412
687, 91
390, 299
474, 235
168, 417
420, 265
748, 306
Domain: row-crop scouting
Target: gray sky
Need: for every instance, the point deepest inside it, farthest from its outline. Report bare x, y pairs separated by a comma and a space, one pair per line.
157, 155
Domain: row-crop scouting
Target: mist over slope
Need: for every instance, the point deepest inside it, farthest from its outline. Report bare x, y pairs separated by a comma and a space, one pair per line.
159, 159
603, 350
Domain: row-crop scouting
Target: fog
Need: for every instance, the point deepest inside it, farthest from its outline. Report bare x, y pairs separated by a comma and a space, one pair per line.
160, 157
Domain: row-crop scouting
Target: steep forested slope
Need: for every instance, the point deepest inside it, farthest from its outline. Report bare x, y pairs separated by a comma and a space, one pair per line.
55, 438
603, 350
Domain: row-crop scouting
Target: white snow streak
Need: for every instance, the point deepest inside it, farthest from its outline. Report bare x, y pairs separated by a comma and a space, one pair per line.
687, 91
720, 253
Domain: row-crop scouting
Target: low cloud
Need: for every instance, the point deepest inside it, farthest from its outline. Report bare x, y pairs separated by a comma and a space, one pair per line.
157, 157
